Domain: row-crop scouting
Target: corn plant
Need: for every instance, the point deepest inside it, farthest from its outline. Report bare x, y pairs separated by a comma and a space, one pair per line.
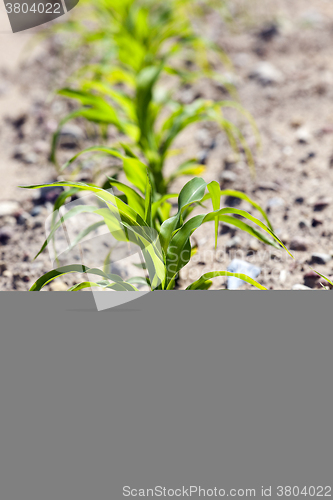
131, 216
149, 119
148, 39
137, 33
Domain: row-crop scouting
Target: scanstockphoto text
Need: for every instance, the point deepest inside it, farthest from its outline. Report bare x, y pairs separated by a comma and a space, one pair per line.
198, 491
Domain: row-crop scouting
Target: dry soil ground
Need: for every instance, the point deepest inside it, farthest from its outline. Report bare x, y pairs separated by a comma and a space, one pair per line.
283, 72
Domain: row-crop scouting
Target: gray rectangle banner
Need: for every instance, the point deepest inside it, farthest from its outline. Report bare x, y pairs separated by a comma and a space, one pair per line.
176, 394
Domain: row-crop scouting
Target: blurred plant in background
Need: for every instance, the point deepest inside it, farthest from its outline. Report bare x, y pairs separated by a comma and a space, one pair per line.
140, 43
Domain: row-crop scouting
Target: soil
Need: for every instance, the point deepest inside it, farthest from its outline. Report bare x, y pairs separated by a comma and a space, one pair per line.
294, 167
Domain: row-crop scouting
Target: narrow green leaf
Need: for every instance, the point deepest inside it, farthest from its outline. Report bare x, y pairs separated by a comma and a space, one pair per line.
133, 198
325, 277
214, 191
148, 201
72, 268
196, 285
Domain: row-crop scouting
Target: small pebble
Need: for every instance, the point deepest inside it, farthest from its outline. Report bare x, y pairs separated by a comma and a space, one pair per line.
284, 238
254, 245
267, 74
230, 162
232, 201
41, 147
202, 242
299, 286
70, 136
3, 267
51, 126
303, 224
267, 33
299, 245
20, 151
36, 211
234, 242
308, 157
22, 218
6, 233
296, 122
316, 222
19, 120
228, 176
283, 276
320, 258
275, 202
7, 274
287, 150
310, 279
49, 194
203, 137
303, 136
241, 267
9, 220
268, 186
30, 158
320, 205
227, 229
8, 208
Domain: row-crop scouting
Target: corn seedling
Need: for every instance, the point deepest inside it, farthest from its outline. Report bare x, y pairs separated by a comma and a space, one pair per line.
148, 40
131, 217
150, 120
138, 33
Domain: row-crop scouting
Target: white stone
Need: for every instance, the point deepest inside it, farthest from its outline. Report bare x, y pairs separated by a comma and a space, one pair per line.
267, 74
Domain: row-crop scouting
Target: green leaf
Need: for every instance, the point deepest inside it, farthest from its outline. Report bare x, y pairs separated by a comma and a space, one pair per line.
106, 196
135, 172
189, 167
177, 255
325, 277
242, 196
129, 152
123, 100
148, 202
146, 80
139, 280
72, 268
63, 197
100, 109
192, 192
147, 240
83, 285
133, 198
214, 191
55, 136
197, 285
134, 169
119, 287
79, 209
85, 232
157, 204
